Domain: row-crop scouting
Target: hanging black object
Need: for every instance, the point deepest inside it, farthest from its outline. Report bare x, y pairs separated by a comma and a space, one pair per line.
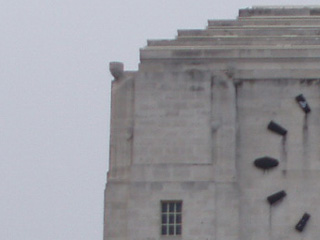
303, 103
303, 222
266, 163
272, 199
274, 127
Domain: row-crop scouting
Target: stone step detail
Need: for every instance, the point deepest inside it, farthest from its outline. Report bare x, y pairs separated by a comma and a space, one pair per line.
265, 26
280, 11
265, 22
256, 36
220, 53
252, 32
237, 41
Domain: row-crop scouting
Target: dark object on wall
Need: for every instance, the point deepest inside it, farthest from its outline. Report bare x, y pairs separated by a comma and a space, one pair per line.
302, 223
274, 127
303, 103
272, 199
266, 163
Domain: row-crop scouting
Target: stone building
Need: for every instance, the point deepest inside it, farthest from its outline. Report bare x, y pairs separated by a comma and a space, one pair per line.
216, 136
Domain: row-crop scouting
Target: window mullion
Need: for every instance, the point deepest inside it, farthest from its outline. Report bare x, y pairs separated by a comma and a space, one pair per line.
174, 219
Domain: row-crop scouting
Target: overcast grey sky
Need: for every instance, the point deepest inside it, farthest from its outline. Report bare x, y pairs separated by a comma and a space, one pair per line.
55, 100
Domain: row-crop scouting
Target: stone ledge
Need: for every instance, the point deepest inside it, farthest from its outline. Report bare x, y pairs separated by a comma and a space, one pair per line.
237, 41
230, 53
251, 32
280, 11
253, 21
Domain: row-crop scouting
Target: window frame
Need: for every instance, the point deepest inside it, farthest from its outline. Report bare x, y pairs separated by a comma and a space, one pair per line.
171, 217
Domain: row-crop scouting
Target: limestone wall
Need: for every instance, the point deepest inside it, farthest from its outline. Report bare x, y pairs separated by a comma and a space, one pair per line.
190, 123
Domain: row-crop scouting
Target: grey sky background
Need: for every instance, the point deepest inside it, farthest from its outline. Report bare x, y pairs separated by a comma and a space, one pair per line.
55, 100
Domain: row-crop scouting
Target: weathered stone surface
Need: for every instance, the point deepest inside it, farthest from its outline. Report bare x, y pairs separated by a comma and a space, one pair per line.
190, 122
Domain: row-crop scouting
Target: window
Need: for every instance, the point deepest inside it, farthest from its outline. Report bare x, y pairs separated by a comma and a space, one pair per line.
171, 218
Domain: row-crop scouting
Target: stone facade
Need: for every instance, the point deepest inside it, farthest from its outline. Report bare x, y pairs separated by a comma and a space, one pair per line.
189, 124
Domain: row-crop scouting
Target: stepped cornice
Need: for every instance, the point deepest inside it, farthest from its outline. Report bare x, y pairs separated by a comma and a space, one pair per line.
258, 37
